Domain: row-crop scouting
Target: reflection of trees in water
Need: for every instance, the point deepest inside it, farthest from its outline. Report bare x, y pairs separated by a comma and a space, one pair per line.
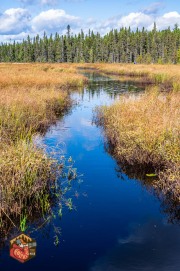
169, 205
113, 87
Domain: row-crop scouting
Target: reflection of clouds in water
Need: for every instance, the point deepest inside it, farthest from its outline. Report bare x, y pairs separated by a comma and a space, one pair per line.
131, 239
72, 131
152, 247
85, 122
59, 132
90, 146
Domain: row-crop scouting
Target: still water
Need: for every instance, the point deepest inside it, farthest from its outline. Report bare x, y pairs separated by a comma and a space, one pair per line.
118, 224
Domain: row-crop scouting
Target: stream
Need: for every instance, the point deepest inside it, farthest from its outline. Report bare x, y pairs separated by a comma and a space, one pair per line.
118, 223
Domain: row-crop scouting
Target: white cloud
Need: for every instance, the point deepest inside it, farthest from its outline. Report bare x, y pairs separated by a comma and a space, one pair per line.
140, 19
91, 21
18, 37
135, 19
153, 8
14, 21
17, 22
53, 20
168, 19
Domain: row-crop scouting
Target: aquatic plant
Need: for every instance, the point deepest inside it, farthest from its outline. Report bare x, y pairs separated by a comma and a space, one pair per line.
41, 210
23, 222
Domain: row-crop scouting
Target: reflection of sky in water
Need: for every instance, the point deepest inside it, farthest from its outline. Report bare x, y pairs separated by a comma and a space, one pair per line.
105, 234
151, 246
79, 127
118, 226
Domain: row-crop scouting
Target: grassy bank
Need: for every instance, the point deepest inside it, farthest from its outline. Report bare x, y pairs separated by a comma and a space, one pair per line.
145, 132
166, 76
32, 97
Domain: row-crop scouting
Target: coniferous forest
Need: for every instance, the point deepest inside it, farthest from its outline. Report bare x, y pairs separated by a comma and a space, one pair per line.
118, 46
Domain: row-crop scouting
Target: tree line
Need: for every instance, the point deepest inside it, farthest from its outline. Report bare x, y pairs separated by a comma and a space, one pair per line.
117, 46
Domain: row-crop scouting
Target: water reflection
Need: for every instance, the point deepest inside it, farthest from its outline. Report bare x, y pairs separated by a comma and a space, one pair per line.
111, 85
117, 224
114, 88
169, 205
151, 246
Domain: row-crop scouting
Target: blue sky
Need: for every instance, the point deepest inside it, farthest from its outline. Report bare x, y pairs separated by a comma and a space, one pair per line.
18, 18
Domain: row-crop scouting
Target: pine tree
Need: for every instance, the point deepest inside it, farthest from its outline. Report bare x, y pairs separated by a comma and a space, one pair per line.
123, 45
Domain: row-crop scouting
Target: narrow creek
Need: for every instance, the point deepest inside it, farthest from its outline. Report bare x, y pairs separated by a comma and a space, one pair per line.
118, 224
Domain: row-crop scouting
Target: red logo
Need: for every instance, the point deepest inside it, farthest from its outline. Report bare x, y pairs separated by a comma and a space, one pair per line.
23, 248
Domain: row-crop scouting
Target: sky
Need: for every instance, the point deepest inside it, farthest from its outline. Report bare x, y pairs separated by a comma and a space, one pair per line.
19, 18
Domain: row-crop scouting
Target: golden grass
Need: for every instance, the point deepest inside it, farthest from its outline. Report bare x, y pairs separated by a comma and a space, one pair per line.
146, 131
168, 76
32, 97
26, 174
26, 111
40, 75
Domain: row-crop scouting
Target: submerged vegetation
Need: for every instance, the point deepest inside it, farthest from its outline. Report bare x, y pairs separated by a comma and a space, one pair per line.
144, 132
32, 97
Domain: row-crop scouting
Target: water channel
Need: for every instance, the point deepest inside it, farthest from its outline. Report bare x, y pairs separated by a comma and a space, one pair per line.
118, 223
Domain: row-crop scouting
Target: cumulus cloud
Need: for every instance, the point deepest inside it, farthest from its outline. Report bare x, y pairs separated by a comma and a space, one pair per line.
168, 19
141, 19
135, 19
53, 20
18, 37
14, 21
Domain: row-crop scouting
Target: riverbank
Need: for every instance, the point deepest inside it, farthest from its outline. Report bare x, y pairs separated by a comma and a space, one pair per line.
167, 77
144, 132
33, 96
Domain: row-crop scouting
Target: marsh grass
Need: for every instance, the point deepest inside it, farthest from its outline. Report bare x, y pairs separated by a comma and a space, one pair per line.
39, 76
166, 76
145, 132
25, 171
32, 97
25, 112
